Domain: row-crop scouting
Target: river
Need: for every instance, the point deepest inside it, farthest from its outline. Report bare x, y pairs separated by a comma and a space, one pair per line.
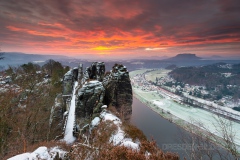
166, 134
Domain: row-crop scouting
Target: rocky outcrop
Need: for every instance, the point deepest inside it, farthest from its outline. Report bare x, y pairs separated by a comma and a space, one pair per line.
56, 121
95, 89
80, 73
95, 71
119, 90
89, 101
75, 73
68, 80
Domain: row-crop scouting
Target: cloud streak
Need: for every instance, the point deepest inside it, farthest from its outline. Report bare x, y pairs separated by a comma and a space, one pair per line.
119, 26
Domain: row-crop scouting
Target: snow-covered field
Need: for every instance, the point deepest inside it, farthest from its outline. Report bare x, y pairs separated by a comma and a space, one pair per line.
187, 113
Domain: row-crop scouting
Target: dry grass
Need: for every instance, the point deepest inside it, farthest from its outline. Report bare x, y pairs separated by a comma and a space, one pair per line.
114, 111
133, 132
99, 147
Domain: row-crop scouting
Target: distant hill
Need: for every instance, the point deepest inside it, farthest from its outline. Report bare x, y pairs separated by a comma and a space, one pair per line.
18, 58
184, 57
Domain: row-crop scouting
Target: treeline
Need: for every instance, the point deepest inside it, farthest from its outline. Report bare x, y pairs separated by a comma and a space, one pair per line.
25, 105
213, 77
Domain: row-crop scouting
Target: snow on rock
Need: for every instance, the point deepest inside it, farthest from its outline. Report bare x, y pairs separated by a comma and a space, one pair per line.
130, 144
41, 153
104, 107
109, 116
119, 137
95, 121
94, 81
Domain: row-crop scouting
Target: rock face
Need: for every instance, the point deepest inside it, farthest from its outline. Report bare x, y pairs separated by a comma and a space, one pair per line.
56, 121
89, 101
95, 71
80, 73
75, 73
119, 90
95, 89
68, 80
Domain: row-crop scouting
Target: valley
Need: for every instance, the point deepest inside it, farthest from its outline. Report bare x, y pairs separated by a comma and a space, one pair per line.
170, 106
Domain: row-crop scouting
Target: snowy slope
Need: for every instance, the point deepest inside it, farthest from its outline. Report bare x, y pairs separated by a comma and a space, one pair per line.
119, 137
41, 153
68, 136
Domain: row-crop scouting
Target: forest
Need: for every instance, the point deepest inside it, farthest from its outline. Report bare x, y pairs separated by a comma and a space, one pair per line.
221, 78
25, 103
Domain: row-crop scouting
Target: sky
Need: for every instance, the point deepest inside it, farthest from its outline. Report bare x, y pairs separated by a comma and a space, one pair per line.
120, 28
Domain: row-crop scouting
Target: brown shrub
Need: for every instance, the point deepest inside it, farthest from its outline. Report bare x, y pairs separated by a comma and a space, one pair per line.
33, 147
103, 132
133, 132
120, 152
114, 111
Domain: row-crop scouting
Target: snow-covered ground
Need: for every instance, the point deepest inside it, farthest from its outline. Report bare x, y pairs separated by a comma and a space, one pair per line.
188, 114
41, 153
119, 137
209, 103
68, 136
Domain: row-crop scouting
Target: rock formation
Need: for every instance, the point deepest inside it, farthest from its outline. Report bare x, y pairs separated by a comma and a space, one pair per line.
119, 90
89, 101
57, 118
95, 89
75, 73
80, 73
68, 80
95, 71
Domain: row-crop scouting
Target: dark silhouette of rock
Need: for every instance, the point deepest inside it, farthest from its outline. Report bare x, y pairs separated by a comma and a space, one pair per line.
75, 73
119, 90
80, 73
56, 122
68, 80
184, 57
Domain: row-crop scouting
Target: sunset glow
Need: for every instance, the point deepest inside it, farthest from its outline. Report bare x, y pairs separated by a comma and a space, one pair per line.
120, 28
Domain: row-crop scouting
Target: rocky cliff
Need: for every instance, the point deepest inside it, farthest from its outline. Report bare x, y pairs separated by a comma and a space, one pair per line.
95, 89
95, 72
68, 80
89, 101
119, 90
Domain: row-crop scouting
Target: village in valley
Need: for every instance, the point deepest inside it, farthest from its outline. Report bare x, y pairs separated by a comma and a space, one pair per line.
158, 81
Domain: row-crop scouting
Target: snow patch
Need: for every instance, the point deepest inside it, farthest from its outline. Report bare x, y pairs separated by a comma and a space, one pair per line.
41, 153
109, 116
130, 144
158, 103
118, 138
94, 81
104, 107
95, 121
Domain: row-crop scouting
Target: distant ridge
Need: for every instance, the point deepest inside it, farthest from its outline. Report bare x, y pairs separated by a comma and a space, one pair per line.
18, 58
184, 57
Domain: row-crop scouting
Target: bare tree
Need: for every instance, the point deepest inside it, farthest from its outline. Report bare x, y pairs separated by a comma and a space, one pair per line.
224, 128
202, 143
